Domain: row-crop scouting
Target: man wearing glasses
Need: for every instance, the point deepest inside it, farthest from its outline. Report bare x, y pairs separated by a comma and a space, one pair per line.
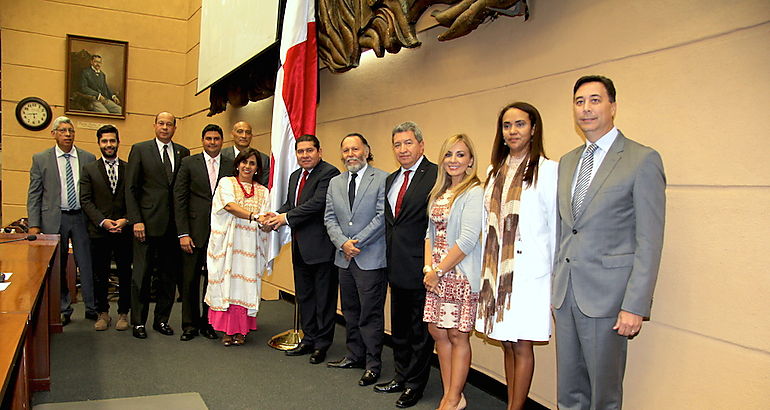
53, 206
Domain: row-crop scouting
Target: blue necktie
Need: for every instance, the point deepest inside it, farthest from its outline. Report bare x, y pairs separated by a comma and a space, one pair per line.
72, 196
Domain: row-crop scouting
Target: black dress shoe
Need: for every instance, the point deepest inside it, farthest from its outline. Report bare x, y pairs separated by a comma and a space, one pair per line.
368, 378
300, 350
209, 333
163, 328
92, 315
345, 363
408, 398
317, 356
66, 319
140, 332
390, 387
188, 334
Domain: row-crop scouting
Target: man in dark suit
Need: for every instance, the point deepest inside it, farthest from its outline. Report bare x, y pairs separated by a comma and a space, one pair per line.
406, 220
103, 198
355, 205
53, 206
612, 204
193, 190
242, 136
312, 252
93, 83
152, 168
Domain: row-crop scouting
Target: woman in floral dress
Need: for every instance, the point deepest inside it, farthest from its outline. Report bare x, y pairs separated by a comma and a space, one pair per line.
453, 264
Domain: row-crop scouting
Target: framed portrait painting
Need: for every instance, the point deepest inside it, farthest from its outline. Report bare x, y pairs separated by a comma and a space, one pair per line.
96, 77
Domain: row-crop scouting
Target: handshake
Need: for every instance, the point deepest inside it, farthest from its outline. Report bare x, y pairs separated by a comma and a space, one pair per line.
271, 221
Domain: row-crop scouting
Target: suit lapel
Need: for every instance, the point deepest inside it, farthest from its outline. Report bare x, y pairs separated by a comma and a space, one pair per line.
366, 181
101, 166
566, 176
121, 176
605, 169
419, 174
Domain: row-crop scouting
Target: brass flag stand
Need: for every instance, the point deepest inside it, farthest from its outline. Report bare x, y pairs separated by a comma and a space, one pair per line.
291, 338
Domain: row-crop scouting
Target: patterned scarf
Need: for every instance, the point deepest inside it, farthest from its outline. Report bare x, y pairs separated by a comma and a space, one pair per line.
500, 246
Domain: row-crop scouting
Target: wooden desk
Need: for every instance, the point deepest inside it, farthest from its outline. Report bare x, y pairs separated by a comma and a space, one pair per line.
35, 266
13, 363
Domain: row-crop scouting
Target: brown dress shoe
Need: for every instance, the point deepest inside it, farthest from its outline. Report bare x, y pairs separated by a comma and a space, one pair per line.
122, 322
103, 321
227, 340
239, 339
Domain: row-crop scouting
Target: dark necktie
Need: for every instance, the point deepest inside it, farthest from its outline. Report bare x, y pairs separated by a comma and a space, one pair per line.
112, 175
301, 186
401, 193
72, 196
167, 164
352, 189
584, 179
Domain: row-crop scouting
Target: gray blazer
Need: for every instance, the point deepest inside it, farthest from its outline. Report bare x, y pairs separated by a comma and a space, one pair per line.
365, 222
464, 229
612, 249
44, 195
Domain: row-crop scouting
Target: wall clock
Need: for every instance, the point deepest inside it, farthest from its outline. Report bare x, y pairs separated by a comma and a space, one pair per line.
33, 113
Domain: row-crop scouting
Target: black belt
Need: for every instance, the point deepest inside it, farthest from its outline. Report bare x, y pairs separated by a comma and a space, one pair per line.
71, 212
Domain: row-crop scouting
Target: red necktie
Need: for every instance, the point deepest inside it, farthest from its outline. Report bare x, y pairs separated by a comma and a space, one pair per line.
301, 186
401, 193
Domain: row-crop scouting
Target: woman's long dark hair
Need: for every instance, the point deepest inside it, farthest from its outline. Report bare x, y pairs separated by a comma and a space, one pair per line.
500, 150
243, 156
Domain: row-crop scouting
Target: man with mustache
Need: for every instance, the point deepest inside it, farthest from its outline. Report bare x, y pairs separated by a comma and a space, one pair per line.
354, 219
103, 198
53, 206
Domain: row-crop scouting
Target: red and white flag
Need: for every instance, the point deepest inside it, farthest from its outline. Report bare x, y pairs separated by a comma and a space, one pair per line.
294, 104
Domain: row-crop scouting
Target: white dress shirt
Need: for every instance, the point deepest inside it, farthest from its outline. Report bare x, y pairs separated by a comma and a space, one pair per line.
360, 173
398, 181
62, 164
603, 145
170, 152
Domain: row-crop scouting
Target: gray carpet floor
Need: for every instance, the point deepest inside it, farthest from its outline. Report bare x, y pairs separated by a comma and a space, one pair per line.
90, 365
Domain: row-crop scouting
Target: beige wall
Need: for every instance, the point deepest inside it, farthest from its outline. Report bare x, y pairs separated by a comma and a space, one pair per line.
692, 81
162, 70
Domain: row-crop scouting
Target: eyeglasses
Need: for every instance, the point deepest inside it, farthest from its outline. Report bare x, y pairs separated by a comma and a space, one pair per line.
65, 131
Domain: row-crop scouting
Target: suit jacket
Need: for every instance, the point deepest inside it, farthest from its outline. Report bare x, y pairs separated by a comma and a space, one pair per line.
365, 222
405, 235
44, 195
306, 217
192, 196
611, 251
97, 199
149, 194
93, 83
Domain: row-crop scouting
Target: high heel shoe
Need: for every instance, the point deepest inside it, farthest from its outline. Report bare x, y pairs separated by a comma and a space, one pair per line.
463, 403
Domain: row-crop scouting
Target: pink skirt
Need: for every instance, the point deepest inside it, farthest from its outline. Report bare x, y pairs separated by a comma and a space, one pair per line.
232, 321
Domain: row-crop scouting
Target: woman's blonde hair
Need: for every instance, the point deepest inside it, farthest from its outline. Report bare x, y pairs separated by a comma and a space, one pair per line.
443, 180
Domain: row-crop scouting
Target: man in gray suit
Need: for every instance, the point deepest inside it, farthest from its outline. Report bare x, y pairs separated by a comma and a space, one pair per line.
354, 219
53, 206
242, 136
612, 209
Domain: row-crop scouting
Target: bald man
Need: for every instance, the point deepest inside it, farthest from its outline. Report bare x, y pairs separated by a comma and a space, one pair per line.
242, 136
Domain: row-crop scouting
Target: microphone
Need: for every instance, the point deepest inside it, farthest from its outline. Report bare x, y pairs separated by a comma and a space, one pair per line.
26, 238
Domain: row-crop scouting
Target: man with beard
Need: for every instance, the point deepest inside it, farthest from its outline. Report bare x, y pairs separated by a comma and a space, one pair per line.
242, 136
103, 198
193, 191
152, 168
354, 219
53, 206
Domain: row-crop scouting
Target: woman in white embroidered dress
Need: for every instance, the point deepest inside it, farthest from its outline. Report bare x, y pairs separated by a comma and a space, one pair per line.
237, 251
519, 239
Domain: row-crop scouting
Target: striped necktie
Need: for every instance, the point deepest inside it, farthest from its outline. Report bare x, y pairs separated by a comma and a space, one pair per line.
72, 196
584, 179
